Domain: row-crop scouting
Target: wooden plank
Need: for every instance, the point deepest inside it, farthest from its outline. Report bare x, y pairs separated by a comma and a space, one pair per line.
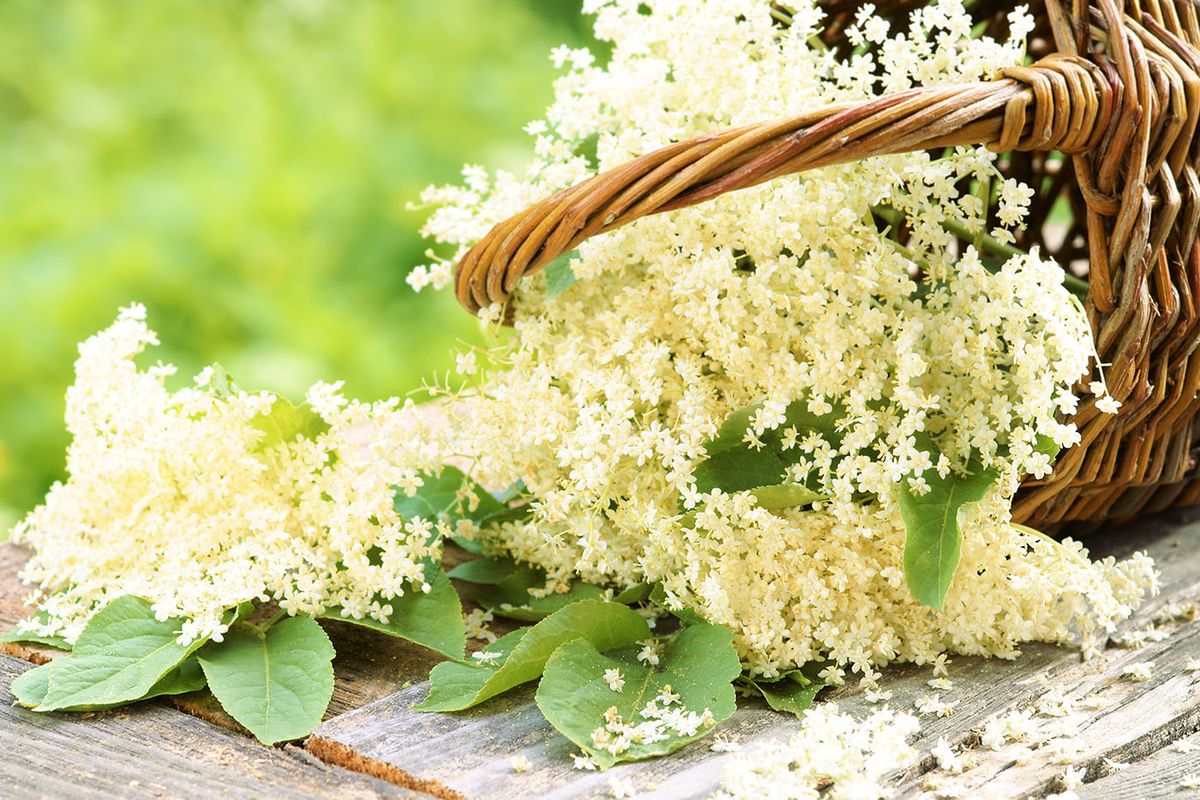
369, 665
153, 751
468, 754
1134, 721
1161, 775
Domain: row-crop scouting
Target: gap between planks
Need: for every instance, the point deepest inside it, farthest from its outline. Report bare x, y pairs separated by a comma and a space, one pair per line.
468, 754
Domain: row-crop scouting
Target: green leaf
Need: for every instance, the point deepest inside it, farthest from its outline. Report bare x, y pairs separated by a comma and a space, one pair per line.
119, 657
793, 693
732, 431
739, 469
503, 586
777, 498
454, 687
493, 571
933, 542
56, 642
432, 620
634, 594
699, 665
559, 275
286, 422
187, 677
40, 617
1044, 444
532, 609
438, 499
278, 684
30, 687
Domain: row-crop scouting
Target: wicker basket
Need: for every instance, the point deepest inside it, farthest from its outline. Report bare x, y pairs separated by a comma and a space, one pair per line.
1105, 119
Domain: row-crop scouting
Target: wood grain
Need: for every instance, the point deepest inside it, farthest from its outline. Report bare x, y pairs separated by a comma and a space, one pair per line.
153, 751
1160, 775
468, 754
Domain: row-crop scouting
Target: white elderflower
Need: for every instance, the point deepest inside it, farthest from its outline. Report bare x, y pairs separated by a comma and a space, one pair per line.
176, 497
476, 622
466, 363
649, 653
614, 679
878, 695
583, 761
832, 755
785, 293
520, 763
1192, 666
946, 758
934, 704
621, 788
1138, 671
1073, 778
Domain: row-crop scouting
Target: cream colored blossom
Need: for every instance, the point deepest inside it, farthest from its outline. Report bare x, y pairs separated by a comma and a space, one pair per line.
832, 755
785, 292
171, 497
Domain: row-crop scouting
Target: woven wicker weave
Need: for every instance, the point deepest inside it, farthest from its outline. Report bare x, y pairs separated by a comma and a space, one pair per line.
1113, 88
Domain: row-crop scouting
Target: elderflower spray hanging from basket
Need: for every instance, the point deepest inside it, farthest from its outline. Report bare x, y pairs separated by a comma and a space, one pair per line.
813, 391
810, 411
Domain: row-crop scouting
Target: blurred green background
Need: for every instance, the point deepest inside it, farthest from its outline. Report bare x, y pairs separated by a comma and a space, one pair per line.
242, 167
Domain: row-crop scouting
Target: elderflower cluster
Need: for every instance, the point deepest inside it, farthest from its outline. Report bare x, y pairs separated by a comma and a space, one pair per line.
661, 718
786, 292
173, 497
832, 755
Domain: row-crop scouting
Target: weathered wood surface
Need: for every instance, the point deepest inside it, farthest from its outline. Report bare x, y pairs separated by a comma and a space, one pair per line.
468, 754
153, 751
371, 728
1170, 772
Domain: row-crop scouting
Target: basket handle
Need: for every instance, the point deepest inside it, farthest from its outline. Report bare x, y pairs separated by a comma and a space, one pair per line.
1062, 102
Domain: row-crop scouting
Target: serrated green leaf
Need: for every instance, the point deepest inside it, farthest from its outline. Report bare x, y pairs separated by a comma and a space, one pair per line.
933, 542
119, 657
699, 665
286, 422
454, 687
432, 619
559, 275
277, 685
793, 693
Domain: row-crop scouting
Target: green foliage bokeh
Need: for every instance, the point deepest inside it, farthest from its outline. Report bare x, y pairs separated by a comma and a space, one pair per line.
243, 168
